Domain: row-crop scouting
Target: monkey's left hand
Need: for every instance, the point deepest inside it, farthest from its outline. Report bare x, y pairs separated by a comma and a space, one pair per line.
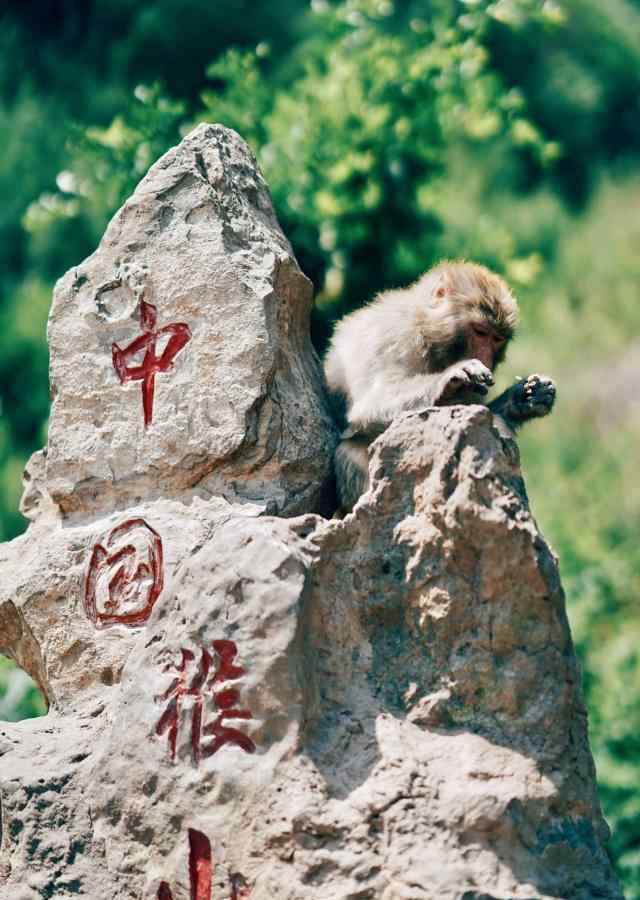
532, 397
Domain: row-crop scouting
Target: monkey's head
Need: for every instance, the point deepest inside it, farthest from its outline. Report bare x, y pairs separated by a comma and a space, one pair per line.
472, 312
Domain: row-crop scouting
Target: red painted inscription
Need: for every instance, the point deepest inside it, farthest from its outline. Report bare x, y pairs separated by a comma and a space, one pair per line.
201, 872
146, 371
203, 680
125, 575
200, 868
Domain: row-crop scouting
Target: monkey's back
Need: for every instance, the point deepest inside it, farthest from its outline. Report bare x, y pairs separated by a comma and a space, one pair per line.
381, 342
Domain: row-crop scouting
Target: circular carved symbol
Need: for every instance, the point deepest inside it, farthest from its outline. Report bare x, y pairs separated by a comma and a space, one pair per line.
125, 575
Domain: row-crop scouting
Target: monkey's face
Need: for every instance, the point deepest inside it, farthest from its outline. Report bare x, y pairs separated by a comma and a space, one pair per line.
485, 344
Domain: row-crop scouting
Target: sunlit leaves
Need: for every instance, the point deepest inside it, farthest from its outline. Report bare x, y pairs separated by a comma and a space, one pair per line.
20, 697
357, 129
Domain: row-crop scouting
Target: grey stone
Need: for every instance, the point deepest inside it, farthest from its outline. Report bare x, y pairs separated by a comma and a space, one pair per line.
239, 411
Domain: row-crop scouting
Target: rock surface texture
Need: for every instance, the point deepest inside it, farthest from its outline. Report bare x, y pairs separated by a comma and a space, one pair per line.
181, 364
249, 700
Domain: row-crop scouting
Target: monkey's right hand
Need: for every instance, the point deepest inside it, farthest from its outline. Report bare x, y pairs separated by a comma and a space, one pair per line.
468, 377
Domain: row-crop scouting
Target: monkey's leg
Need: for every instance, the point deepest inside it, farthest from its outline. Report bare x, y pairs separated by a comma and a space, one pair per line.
352, 471
527, 399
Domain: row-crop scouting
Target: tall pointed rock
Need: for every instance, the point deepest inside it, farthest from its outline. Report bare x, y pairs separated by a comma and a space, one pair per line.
180, 348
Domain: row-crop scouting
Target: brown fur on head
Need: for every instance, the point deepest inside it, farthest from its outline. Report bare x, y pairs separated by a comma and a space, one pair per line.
469, 308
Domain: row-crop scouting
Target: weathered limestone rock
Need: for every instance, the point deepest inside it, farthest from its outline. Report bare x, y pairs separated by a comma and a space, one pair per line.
195, 268
451, 736
245, 705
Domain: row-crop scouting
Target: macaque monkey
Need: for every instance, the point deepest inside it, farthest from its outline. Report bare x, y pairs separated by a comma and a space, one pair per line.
434, 343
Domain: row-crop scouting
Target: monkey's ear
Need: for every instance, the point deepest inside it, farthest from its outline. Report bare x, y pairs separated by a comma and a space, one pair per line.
444, 284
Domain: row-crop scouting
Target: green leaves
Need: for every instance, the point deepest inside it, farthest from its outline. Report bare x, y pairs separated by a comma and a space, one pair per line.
353, 130
20, 697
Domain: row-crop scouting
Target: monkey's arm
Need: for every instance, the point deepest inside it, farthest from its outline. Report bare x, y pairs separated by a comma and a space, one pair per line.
462, 382
527, 399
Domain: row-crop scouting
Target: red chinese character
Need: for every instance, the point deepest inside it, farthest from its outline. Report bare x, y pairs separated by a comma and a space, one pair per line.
200, 869
179, 687
194, 681
180, 334
200, 866
225, 700
201, 872
125, 575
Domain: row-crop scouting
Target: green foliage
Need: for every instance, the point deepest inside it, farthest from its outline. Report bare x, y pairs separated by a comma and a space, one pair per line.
109, 162
581, 81
19, 694
582, 476
354, 131
355, 138
391, 134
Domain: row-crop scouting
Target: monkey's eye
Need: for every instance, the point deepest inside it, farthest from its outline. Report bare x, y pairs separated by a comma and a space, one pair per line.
480, 331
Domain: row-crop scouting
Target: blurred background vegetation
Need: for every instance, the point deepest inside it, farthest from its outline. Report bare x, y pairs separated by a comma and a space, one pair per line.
391, 134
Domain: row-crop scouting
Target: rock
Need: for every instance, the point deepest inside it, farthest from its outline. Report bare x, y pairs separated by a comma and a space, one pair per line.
451, 739
58, 584
181, 364
246, 705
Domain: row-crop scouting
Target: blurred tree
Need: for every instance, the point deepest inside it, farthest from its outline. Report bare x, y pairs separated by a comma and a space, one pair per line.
20, 697
354, 131
88, 50
581, 81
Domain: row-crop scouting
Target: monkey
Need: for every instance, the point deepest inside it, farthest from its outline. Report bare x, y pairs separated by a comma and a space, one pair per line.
434, 343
